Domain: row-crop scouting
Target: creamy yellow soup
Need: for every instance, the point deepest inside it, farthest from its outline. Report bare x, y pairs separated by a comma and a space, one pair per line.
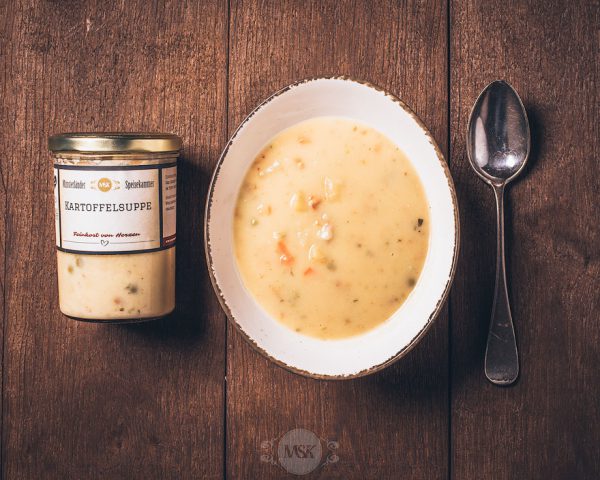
117, 287
331, 228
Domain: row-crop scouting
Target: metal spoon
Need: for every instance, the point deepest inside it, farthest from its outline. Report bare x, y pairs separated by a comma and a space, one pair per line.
498, 143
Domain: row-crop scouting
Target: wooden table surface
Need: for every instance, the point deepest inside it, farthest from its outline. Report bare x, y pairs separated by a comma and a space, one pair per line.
186, 397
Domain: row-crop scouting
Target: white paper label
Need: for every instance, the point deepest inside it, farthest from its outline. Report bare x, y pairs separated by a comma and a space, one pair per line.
129, 209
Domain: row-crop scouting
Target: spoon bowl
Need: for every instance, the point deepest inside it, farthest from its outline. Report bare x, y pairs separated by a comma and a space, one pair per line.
498, 140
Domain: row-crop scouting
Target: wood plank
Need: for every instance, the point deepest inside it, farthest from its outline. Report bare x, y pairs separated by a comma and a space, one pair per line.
392, 424
5, 135
92, 401
548, 424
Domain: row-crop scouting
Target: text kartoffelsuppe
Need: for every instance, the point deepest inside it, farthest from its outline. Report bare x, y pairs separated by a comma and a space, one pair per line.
331, 228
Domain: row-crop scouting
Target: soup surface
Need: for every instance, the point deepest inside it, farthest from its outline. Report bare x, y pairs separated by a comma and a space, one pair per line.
331, 228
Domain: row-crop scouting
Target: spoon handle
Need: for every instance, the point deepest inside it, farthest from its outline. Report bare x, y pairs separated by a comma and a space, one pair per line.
501, 357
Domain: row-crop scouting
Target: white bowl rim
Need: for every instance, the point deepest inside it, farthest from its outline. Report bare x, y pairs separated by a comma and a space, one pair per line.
441, 301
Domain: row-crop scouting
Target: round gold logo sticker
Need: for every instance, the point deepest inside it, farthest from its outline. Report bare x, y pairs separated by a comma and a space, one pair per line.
104, 184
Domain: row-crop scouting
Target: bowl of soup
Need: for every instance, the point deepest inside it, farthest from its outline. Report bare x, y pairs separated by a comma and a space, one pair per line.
332, 228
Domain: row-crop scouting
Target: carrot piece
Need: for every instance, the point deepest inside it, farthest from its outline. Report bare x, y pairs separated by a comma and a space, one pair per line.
313, 201
286, 257
309, 271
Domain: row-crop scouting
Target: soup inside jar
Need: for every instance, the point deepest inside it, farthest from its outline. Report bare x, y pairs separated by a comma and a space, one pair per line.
331, 228
117, 287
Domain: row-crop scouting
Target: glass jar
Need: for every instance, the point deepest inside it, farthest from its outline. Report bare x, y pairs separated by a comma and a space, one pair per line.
115, 198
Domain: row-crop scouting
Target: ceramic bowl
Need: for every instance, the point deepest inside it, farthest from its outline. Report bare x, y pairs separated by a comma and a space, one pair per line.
373, 350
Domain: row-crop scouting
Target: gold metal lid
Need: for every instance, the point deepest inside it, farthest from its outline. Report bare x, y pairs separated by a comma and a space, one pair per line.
114, 142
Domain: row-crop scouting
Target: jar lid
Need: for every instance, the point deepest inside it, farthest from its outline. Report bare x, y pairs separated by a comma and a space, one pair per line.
114, 142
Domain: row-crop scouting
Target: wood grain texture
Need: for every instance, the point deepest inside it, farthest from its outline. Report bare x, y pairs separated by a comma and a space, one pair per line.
548, 424
4, 141
95, 401
393, 423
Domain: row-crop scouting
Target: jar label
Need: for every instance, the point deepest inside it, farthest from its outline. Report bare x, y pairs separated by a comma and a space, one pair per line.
110, 210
